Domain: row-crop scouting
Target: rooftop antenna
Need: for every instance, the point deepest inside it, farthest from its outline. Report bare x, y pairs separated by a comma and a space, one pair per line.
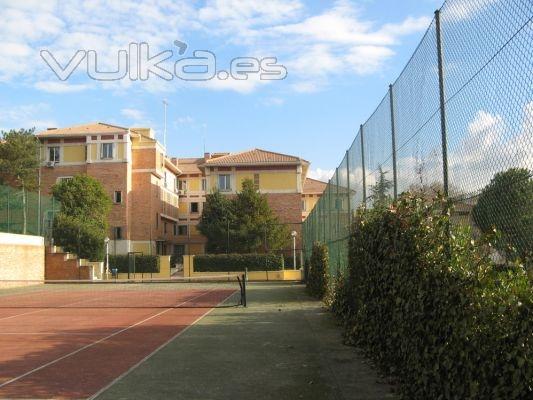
165, 104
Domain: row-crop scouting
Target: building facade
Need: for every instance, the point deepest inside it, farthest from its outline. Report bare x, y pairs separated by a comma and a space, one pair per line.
135, 172
157, 200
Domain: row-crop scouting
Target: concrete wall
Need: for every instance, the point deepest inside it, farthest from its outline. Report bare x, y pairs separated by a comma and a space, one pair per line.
21, 257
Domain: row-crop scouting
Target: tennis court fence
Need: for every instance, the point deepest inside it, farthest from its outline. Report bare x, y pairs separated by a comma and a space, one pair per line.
28, 213
458, 117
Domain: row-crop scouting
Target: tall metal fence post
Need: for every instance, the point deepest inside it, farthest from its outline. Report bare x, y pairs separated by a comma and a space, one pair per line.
444, 139
348, 188
361, 132
337, 230
393, 134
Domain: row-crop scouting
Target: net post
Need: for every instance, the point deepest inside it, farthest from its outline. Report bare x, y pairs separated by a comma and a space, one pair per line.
244, 280
444, 139
361, 131
349, 205
393, 134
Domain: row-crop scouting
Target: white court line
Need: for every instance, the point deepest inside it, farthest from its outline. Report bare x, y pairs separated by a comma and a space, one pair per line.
97, 341
51, 333
135, 366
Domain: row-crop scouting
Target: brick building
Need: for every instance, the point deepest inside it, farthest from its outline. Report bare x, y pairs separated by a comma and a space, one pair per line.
135, 172
157, 200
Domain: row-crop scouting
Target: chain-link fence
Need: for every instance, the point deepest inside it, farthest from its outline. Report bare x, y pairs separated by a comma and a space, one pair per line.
459, 115
26, 212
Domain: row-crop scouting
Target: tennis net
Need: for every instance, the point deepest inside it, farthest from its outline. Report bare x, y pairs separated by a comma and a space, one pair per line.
194, 292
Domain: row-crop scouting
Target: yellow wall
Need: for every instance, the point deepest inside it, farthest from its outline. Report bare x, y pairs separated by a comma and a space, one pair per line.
270, 180
183, 207
194, 184
241, 176
196, 249
120, 150
74, 153
141, 247
277, 180
193, 230
94, 152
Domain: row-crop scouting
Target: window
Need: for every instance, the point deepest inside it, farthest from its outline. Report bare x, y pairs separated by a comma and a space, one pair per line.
175, 229
165, 228
194, 207
53, 154
204, 184
182, 184
63, 178
166, 179
303, 206
117, 232
256, 181
224, 183
182, 230
118, 197
106, 151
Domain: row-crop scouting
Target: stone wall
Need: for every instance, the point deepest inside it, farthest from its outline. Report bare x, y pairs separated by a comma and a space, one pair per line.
21, 257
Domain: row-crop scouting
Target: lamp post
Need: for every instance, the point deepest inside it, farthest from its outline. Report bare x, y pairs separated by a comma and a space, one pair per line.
294, 234
106, 241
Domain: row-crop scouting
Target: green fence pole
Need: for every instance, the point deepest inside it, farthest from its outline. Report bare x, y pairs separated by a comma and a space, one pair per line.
393, 134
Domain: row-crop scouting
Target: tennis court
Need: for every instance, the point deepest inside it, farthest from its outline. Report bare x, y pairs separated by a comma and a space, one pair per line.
71, 339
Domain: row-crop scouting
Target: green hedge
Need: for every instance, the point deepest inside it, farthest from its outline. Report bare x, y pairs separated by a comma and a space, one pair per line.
237, 262
317, 273
430, 307
143, 263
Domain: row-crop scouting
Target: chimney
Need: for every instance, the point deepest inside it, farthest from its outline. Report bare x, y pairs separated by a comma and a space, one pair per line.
207, 156
174, 160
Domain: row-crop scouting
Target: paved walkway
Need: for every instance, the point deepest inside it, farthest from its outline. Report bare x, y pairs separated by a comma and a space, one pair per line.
283, 346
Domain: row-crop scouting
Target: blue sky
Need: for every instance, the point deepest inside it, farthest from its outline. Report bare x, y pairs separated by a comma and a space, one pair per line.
340, 57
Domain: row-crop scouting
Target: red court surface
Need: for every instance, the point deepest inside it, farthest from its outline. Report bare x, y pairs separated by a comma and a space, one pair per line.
68, 348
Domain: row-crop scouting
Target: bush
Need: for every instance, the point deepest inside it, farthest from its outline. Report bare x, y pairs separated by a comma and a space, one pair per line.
317, 279
506, 204
237, 262
79, 237
428, 305
143, 263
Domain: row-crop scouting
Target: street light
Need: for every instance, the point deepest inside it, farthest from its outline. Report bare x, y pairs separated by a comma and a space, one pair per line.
106, 241
294, 234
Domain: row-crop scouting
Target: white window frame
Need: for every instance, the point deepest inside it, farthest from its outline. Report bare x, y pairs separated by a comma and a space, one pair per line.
57, 154
104, 156
227, 182
204, 184
182, 184
60, 179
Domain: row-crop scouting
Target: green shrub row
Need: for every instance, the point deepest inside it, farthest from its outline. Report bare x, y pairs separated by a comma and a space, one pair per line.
317, 271
237, 262
143, 263
428, 305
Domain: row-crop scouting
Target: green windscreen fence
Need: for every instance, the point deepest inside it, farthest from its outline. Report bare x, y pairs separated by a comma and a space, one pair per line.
459, 115
26, 212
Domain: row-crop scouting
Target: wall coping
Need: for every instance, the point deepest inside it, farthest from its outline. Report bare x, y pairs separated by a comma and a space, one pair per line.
24, 240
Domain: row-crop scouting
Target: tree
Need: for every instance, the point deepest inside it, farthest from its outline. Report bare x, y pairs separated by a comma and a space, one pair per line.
19, 161
242, 224
380, 191
257, 227
216, 222
81, 225
506, 204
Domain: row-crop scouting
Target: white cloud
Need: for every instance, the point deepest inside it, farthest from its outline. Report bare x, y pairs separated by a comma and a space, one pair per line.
464, 9
273, 101
321, 174
133, 114
26, 116
336, 41
60, 87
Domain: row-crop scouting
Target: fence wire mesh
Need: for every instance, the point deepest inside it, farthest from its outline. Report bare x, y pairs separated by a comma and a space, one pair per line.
460, 138
26, 212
